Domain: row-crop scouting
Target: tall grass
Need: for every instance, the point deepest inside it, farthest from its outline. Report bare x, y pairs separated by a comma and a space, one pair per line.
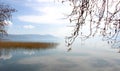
27, 45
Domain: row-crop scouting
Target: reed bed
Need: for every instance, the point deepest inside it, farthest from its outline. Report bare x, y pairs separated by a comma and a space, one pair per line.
4, 44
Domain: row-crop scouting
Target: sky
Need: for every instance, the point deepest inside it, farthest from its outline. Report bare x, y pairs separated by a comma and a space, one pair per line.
38, 17
41, 17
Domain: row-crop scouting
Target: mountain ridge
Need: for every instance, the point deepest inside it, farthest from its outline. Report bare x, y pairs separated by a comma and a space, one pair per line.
31, 38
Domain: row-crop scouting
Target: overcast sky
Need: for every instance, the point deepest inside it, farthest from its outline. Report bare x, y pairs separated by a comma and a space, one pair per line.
38, 17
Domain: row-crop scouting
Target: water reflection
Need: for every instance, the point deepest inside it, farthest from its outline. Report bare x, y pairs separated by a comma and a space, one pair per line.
56, 58
100, 63
6, 52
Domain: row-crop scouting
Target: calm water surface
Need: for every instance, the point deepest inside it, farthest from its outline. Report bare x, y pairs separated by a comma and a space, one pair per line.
82, 57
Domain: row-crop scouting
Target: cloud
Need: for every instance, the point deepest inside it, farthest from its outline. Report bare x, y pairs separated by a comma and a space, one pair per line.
63, 31
28, 26
45, 12
46, 19
8, 23
50, 13
44, 0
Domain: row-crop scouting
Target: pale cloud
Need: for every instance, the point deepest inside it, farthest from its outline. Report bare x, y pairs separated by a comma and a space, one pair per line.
46, 19
62, 31
48, 12
8, 23
51, 14
29, 26
44, 0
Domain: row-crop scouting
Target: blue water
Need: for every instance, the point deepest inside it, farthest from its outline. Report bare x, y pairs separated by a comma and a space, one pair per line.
84, 56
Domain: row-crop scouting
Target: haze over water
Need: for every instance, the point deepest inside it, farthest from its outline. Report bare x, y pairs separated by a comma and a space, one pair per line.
88, 56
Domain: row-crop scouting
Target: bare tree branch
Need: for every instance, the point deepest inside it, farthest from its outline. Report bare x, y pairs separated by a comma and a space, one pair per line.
102, 17
5, 15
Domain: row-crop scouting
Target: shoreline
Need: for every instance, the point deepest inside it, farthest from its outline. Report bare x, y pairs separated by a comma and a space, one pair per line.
7, 44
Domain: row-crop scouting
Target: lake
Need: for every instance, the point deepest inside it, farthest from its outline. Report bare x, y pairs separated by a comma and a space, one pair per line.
84, 56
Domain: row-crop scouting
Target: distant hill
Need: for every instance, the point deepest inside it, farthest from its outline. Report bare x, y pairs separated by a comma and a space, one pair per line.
31, 38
